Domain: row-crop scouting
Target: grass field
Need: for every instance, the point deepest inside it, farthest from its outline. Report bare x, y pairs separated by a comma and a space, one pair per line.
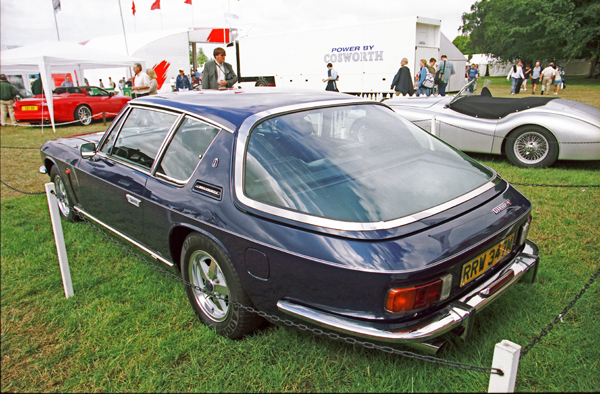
130, 329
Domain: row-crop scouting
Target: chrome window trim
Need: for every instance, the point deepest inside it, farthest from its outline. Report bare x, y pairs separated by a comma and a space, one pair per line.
183, 111
240, 150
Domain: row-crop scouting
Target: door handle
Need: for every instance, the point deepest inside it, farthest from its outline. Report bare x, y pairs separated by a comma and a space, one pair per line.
132, 200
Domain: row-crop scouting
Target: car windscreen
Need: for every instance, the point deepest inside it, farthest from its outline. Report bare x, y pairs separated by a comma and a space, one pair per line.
359, 163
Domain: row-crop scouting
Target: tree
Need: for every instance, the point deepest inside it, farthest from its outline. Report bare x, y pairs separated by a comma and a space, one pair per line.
534, 29
201, 57
462, 43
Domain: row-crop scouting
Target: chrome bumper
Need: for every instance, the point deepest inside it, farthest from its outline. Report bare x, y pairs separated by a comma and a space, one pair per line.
459, 315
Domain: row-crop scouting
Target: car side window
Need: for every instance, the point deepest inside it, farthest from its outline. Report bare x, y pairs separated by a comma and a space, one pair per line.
141, 136
186, 148
110, 140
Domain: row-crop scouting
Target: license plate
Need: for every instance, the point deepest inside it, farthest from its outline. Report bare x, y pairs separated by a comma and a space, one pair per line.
486, 260
29, 108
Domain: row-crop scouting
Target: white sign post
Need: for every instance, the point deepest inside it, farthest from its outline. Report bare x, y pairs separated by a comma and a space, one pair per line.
506, 358
59, 239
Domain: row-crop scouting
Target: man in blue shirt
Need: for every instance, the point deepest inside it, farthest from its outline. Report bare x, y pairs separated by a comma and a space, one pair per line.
447, 70
473, 74
67, 82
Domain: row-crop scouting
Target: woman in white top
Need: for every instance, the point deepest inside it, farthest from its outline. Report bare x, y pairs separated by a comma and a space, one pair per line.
516, 72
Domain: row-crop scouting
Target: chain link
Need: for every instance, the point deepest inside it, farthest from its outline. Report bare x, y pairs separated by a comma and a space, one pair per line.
558, 318
21, 191
544, 185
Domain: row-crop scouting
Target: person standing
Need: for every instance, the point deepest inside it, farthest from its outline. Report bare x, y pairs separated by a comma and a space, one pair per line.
548, 75
121, 83
557, 80
100, 83
7, 98
111, 84
432, 69
182, 82
402, 82
332, 77
536, 73
473, 74
217, 73
515, 73
67, 82
141, 82
447, 70
36, 87
153, 82
526, 76
422, 75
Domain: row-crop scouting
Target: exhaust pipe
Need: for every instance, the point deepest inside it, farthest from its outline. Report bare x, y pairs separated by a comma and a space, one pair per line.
432, 347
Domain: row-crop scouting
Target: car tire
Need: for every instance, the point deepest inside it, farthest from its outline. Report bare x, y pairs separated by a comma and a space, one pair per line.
531, 147
83, 114
64, 204
261, 82
358, 130
205, 265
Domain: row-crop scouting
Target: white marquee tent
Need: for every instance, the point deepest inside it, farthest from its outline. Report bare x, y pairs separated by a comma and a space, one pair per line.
54, 56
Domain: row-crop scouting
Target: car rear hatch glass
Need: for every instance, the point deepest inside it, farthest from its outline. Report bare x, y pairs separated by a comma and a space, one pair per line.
354, 164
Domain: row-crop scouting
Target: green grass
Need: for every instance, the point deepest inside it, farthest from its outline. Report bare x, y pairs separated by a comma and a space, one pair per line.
129, 328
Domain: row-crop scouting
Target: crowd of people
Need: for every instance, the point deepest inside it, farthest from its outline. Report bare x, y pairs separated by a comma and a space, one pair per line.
432, 77
551, 78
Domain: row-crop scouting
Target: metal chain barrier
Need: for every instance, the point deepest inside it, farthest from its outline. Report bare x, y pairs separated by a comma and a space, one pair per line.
558, 318
21, 191
17, 147
543, 185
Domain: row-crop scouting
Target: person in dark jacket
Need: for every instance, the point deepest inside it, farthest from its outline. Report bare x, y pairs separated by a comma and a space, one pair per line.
36, 86
402, 82
7, 96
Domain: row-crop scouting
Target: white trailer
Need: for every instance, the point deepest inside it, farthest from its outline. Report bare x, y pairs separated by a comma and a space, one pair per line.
366, 56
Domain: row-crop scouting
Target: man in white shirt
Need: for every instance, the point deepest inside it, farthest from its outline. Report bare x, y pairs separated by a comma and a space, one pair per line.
141, 82
548, 77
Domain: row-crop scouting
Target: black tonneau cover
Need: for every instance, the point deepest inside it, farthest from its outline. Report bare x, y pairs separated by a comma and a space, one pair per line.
496, 107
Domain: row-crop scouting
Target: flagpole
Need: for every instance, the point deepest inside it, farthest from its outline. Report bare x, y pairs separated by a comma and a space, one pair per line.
55, 22
123, 24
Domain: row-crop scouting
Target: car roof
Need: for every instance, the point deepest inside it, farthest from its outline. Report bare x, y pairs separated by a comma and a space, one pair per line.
231, 107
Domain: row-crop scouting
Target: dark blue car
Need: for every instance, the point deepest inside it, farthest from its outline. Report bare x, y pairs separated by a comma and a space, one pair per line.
312, 206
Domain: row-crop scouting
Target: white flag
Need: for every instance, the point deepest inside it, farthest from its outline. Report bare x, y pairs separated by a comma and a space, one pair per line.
56, 5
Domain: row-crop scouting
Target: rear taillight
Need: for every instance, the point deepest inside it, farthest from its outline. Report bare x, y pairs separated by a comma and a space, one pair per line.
417, 297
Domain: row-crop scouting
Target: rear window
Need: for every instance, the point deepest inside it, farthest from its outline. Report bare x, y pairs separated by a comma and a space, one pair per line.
361, 163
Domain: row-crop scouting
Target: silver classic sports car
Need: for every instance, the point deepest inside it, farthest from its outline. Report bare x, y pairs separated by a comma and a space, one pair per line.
533, 131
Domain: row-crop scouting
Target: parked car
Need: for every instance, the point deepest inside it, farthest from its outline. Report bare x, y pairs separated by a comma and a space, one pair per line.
314, 206
533, 131
81, 103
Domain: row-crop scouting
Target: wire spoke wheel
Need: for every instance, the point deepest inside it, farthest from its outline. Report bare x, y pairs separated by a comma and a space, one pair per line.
532, 147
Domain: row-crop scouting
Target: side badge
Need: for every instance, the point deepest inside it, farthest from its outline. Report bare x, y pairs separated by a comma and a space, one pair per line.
215, 163
208, 190
502, 207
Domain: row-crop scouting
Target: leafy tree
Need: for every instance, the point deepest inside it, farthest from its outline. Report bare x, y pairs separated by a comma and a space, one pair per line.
462, 43
534, 29
201, 57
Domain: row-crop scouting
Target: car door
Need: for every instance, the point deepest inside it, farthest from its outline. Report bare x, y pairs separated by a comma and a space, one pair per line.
464, 132
173, 189
113, 184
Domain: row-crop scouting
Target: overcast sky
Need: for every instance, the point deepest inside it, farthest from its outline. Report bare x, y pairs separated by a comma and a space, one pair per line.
29, 21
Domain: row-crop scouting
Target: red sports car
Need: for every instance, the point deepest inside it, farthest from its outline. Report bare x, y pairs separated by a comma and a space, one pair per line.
81, 103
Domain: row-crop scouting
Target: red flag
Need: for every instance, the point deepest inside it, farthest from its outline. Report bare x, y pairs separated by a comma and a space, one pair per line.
155, 6
188, 2
133, 7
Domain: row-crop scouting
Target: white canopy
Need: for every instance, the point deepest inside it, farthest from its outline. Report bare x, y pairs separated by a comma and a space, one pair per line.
54, 56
